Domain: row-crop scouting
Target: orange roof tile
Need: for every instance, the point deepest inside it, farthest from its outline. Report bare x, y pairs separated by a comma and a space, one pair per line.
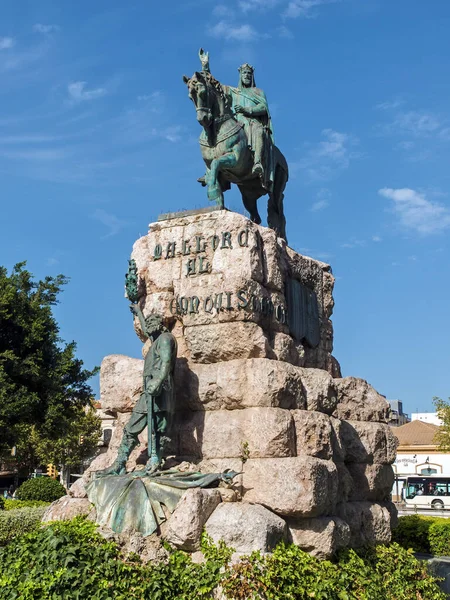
416, 433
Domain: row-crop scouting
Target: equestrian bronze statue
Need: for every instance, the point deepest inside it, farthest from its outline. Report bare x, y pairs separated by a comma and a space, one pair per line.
237, 142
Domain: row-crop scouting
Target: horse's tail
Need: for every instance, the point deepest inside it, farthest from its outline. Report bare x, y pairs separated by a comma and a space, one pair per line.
279, 160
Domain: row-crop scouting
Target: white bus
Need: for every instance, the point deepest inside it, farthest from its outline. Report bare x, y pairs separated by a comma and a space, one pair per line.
428, 491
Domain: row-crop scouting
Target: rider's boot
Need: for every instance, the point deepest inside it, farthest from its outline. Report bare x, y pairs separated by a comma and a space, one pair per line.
119, 466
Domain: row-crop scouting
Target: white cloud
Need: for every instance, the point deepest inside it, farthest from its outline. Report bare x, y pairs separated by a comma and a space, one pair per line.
6, 43
376, 238
415, 212
172, 134
45, 29
78, 93
248, 5
353, 243
285, 32
417, 123
323, 200
390, 104
329, 156
238, 33
304, 8
113, 223
221, 10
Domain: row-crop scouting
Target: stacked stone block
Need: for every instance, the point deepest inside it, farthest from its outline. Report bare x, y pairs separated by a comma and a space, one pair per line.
313, 448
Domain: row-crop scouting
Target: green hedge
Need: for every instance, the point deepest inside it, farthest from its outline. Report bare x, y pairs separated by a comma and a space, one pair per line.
45, 489
13, 504
70, 560
439, 536
429, 535
19, 521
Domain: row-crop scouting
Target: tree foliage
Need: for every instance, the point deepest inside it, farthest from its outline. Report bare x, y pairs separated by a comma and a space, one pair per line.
442, 437
43, 385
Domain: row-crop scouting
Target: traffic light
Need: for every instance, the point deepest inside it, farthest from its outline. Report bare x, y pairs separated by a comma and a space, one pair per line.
51, 471
81, 440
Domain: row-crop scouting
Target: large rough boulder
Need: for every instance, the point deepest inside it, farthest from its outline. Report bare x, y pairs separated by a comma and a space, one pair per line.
368, 442
235, 384
120, 382
246, 527
359, 401
370, 523
313, 433
320, 537
185, 525
370, 482
301, 486
260, 432
66, 508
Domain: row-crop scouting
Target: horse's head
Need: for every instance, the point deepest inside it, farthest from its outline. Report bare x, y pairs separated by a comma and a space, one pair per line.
200, 94
208, 97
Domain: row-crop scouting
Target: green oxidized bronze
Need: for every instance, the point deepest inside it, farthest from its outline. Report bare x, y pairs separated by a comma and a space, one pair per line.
156, 406
134, 501
237, 142
131, 282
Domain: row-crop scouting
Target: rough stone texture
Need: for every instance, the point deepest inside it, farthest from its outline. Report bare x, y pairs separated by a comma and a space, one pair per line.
358, 401
120, 382
302, 486
266, 432
253, 260
246, 527
313, 433
66, 508
226, 341
345, 482
369, 523
185, 525
286, 349
256, 382
321, 537
319, 390
368, 442
370, 482
307, 444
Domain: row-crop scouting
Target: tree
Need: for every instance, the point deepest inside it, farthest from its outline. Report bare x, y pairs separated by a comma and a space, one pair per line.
442, 437
43, 386
79, 442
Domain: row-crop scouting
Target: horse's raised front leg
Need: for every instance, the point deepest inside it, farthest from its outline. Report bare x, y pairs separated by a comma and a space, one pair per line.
226, 161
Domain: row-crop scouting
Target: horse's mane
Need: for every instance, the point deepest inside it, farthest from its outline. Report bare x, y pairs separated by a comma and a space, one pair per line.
211, 80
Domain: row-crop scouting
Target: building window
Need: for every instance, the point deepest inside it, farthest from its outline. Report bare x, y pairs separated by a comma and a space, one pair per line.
428, 471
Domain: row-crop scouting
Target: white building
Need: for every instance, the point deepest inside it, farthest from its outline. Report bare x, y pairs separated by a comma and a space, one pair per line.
418, 453
426, 417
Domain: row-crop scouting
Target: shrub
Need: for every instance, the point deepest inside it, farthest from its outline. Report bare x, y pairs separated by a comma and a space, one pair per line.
429, 535
41, 488
17, 522
70, 560
439, 537
13, 504
412, 532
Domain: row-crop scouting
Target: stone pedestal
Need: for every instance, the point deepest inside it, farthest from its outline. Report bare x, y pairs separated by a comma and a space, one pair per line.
258, 389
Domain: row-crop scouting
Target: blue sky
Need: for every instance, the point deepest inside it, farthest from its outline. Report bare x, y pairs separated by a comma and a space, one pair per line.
98, 136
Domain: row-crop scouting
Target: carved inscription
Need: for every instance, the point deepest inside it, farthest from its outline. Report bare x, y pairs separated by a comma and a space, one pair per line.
225, 301
192, 248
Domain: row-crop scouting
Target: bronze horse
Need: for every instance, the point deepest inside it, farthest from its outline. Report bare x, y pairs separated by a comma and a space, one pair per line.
228, 157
